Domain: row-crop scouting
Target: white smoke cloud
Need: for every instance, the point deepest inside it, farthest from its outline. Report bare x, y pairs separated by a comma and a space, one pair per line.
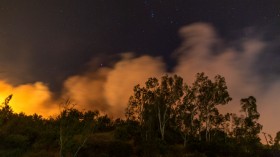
110, 90
196, 55
87, 90
237, 66
125, 75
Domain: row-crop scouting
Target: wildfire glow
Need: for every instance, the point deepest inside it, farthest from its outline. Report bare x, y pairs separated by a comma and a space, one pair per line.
29, 98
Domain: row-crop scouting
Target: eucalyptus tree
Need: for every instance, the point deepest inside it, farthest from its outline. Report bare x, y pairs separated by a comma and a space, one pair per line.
247, 135
186, 115
141, 110
218, 121
232, 124
249, 108
208, 95
155, 103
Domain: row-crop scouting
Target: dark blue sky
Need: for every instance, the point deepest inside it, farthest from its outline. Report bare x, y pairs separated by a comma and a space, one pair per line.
50, 40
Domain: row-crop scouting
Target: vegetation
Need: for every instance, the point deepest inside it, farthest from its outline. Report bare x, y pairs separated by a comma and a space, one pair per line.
163, 118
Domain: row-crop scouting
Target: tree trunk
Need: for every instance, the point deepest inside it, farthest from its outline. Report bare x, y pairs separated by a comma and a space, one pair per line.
185, 140
162, 122
76, 153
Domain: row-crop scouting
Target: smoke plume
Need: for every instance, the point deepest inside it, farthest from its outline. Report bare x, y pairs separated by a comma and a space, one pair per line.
109, 89
202, 50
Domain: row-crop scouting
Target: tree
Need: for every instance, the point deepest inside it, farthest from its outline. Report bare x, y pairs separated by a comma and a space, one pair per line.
249, 108
277, 141
6, 111
75, 128
268, 139
209, 94
186, 114
218, 121
140, 110
250, 128
155, 103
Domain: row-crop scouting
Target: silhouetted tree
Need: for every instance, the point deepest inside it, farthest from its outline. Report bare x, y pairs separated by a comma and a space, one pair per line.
155, 103
277, 141
75, 128
209, 94
186, 115
250, 128
6, 111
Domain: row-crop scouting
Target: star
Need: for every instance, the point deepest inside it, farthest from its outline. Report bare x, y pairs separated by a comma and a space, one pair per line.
152, 14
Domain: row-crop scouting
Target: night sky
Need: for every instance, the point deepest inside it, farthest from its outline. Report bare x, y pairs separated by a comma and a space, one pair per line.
65, 47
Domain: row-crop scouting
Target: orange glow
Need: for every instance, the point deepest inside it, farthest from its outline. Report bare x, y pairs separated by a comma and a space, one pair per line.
29, 98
